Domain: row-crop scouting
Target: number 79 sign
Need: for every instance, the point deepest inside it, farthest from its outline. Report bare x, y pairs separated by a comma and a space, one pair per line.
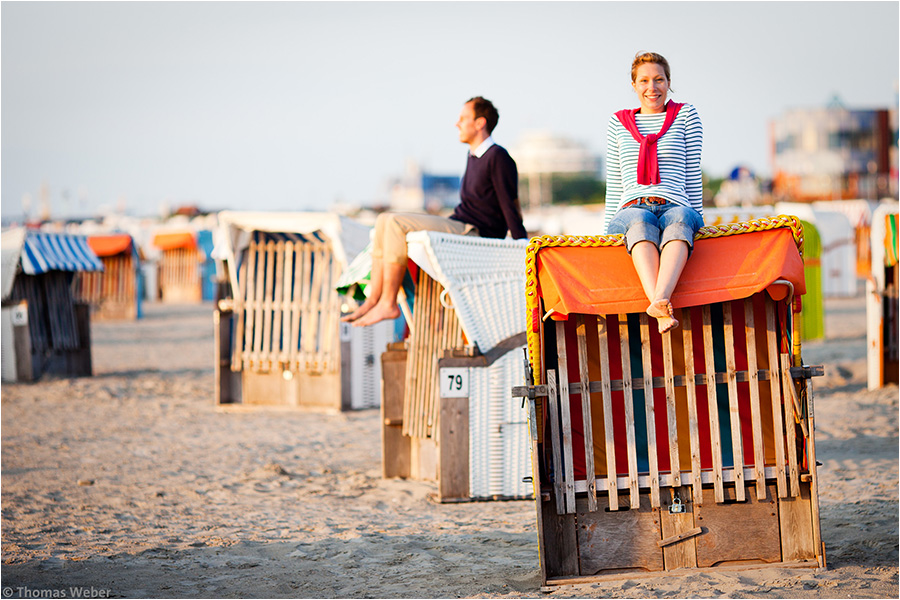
454, 382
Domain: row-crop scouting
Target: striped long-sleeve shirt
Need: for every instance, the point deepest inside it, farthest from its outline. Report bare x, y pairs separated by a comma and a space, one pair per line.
678, 153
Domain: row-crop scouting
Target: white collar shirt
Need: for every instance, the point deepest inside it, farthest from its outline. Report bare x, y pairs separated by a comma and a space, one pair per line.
482, 147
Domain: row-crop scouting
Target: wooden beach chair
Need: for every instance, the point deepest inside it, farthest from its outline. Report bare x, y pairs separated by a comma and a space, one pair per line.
882, 299
114, 292
445, 404
45, 328
689, 450
279, 341
178, 278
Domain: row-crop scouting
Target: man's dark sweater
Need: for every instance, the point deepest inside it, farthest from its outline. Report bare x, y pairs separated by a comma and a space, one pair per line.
490, 195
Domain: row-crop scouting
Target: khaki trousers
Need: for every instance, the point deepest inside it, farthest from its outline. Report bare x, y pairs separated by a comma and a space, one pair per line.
389, 243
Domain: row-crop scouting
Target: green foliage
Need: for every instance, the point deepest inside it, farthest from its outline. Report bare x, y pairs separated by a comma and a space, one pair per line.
577, 189
589, 189
711, 187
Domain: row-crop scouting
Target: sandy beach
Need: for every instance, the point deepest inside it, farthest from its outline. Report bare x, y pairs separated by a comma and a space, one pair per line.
131, 484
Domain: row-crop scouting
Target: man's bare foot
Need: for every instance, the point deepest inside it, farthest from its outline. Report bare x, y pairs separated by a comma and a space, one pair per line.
363, 309
664, 313
379, 312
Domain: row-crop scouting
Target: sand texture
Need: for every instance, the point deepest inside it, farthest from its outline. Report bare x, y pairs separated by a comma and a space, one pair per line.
131, 484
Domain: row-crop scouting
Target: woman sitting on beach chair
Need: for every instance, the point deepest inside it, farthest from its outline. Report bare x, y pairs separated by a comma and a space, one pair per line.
654, 186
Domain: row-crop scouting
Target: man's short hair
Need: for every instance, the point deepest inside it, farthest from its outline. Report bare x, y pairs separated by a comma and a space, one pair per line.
484, 108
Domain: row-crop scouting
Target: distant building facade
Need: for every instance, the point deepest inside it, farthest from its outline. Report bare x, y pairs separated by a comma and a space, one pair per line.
740, 188
834, 153
420, 191
540, 155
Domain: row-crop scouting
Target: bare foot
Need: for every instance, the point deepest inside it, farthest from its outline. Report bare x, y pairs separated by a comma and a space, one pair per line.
363, 309
664, 313
666, 323
660, 309
379, 312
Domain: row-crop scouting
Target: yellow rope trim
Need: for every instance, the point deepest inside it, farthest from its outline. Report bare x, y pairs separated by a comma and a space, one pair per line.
532, 301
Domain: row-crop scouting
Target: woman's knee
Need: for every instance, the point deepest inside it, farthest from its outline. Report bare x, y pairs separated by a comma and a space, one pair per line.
627, 218
681, 215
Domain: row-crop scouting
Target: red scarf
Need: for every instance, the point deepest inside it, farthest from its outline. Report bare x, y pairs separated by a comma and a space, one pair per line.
648, 165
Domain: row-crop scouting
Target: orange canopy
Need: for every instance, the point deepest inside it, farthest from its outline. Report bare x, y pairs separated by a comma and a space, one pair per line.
174, 239
602, 280
109, 245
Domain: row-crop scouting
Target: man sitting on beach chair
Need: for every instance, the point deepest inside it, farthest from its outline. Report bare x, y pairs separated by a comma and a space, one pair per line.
489, 207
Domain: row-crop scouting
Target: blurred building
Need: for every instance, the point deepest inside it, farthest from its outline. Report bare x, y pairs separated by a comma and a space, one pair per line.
834, 153
741, 188
420, 191
540, 156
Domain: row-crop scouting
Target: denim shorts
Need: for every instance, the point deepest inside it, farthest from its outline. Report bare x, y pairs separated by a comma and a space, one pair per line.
656, 223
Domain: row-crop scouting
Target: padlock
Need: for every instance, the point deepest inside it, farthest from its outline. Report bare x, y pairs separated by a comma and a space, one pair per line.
676, 507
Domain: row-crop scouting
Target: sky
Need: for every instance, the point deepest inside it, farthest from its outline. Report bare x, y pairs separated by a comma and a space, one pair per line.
307, 105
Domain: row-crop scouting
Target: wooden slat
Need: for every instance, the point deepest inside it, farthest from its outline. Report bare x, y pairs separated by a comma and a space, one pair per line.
321, 270
410, 373
237, 346
790, 428
411, 404
286, 304
688, 340
737, 447
259, 298
306, 312
775, 390
311, 323
328, 328
814, 481
250, 305
435, 350
759, 451
608, 430
534, 437
679, 536
555, 445
308, 315
429, 359
266, 347
649, 412
714, 431
565, 417
131, 280
322, 334
581, 334
297, 305
629, 411
277, 343
419, 360
671, 409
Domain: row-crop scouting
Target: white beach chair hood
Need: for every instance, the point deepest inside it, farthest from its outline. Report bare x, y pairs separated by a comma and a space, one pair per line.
483, 277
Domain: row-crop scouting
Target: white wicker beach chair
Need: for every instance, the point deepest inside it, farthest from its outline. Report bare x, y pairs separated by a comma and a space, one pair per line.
484, 283
483, 278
